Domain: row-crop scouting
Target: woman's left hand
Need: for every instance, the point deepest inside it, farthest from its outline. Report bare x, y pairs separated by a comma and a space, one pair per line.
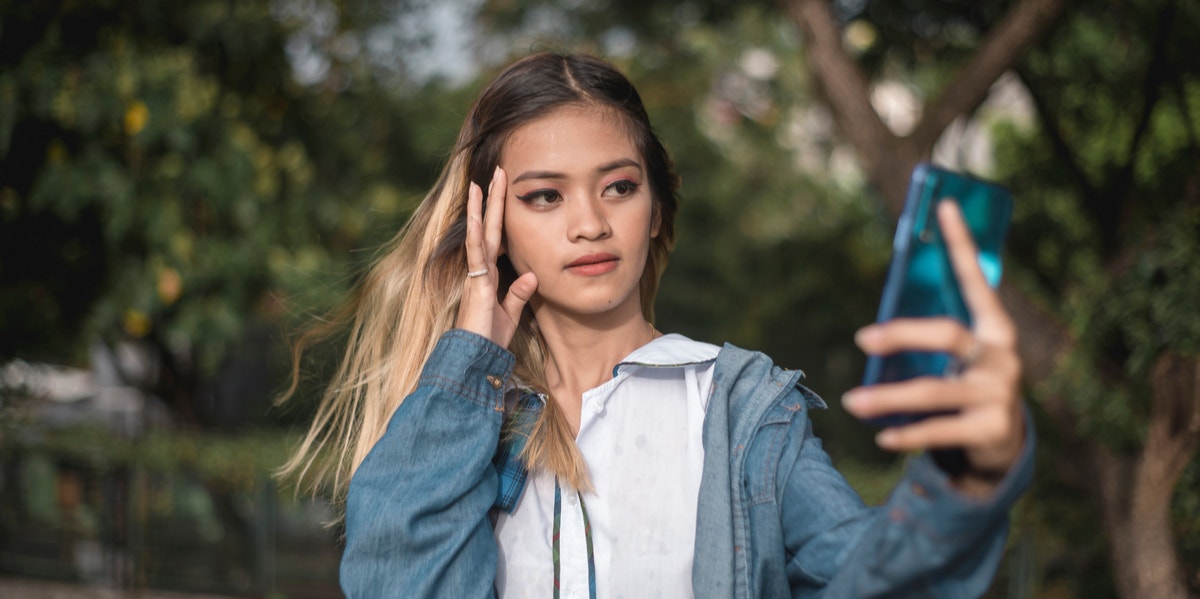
985, 418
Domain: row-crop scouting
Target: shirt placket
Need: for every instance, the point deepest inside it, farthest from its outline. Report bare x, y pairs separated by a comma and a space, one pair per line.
574, 549
573, 543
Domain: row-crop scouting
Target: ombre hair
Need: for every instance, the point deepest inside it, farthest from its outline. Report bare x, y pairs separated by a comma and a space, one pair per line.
410, 295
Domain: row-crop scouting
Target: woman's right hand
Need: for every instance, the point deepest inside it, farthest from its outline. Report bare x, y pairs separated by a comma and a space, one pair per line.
480, 311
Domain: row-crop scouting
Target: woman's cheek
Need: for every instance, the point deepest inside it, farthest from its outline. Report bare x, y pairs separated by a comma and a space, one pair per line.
517, 257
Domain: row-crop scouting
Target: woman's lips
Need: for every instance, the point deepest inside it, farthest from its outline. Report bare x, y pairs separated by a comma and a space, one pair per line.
593, 264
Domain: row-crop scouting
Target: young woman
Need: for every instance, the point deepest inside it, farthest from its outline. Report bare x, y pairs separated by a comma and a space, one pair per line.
515, 425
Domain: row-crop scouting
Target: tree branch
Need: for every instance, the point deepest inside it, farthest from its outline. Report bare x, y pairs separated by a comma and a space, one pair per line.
1180, 97
1156, 74
886, 158
1173, 434
1112, 207
1048, 118
1004, 45
844, 87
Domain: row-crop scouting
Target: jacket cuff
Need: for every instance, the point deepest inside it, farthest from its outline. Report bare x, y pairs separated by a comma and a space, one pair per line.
470, 366
929, 491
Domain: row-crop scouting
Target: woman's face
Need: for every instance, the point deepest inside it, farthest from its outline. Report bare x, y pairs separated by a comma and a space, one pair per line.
578, 211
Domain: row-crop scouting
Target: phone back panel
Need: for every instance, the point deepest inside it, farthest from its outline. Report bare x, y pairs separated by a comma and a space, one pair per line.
921, 281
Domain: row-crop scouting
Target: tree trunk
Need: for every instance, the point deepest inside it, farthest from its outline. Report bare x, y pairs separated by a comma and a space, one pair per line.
1136, 511
1133, 492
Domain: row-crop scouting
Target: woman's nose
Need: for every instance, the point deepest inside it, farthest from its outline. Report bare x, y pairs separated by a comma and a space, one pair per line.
587, 220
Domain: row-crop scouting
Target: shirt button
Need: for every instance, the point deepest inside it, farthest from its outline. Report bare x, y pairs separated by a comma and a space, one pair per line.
572, 499
496, 381
573, 596
598, 407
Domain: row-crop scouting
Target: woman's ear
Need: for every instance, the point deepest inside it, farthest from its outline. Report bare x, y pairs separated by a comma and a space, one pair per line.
655, 222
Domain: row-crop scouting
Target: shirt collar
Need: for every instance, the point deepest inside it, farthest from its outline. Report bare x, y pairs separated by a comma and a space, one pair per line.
669, 351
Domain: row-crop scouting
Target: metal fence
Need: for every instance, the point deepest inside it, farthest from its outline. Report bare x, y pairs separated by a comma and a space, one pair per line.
134, 529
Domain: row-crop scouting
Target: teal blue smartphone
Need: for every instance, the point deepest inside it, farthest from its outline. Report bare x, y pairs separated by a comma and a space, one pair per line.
921, 281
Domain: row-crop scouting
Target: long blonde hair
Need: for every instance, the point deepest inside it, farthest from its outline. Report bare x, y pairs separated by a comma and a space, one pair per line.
410, 295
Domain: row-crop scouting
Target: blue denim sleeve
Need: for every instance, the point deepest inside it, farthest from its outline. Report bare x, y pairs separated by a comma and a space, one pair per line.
417, 509
927, 540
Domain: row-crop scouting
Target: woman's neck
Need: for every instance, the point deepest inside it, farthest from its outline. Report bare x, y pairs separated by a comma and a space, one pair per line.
583, 350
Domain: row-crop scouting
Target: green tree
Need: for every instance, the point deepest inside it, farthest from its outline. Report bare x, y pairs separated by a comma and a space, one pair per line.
1103, 242
178, 174
191, 179
1116, 197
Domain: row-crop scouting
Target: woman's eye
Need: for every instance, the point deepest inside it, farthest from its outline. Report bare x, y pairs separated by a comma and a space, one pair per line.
541, 197
621, 188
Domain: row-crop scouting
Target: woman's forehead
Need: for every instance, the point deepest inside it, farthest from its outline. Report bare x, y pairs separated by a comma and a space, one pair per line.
570, 135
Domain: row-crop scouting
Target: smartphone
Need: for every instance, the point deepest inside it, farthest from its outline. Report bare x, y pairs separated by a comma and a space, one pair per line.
921, 281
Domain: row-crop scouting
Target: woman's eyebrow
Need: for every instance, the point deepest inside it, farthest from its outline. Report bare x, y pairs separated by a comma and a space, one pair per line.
538, 175
616, 164
604, 168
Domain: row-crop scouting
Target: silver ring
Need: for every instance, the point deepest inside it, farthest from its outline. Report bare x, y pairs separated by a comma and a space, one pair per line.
961, 363
477, 273
973, 354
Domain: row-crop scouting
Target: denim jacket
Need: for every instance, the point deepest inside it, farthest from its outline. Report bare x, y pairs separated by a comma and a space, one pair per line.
774, 517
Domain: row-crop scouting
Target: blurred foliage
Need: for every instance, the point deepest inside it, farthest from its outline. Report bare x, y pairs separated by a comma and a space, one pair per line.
231, 463
1110, 231
1185, 512
167, 178
164, 177
189, 512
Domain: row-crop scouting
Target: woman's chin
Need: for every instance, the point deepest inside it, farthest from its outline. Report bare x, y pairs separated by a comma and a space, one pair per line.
589, 306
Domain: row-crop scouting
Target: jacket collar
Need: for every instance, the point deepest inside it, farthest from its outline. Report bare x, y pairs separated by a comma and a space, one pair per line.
668, 351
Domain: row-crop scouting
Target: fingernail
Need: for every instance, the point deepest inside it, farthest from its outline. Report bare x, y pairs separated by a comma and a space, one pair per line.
948, 207
886, 438
867, 334
851, 400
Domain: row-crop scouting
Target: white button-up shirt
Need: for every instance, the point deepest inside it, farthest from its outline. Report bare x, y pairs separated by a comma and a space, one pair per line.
641, 436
